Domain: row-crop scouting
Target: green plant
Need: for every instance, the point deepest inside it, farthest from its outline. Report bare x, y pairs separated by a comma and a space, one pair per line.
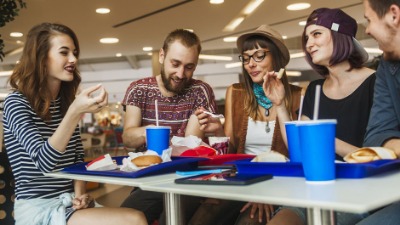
8, 10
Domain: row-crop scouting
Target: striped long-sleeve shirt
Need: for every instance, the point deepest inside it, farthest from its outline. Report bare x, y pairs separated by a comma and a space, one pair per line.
26, 139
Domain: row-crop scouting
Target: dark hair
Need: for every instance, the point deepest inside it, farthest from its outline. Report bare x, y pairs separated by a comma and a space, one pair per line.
278, 62
343, 49
381, 7
30, 74
187, 38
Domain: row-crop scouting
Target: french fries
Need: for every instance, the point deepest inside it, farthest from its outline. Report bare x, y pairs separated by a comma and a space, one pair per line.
280, 73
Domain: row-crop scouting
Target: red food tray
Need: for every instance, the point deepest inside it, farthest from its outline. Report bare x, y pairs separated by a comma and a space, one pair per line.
219, 159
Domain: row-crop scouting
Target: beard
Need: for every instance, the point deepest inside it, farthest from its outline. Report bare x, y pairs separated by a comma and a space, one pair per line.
170, 84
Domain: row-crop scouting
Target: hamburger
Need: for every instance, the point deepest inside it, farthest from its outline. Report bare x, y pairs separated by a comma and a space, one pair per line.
146, 160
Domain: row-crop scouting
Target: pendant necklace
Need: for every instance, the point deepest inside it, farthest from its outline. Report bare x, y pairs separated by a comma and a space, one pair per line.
263, 101
267, 128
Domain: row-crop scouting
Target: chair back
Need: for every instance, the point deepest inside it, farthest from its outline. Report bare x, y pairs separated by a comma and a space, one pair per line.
7, 196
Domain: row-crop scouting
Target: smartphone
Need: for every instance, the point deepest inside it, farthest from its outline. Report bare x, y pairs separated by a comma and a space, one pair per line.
224, 178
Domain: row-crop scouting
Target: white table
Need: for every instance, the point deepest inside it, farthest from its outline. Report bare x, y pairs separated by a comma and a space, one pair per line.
348, 195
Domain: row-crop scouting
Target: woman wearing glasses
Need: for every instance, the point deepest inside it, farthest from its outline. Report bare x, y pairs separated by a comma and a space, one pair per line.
251, 120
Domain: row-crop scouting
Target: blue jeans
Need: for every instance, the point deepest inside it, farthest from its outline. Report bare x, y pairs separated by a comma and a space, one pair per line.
390, 215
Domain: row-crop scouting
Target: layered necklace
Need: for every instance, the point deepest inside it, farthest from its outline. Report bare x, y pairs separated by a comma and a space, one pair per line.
263, 101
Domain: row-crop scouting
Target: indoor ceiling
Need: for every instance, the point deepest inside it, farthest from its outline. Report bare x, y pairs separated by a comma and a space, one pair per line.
140, 23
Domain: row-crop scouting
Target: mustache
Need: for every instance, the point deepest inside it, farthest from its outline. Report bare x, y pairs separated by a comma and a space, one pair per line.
177, 78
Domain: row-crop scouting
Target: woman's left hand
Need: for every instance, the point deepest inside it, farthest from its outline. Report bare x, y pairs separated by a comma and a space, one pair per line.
82, 202
86, 102
273, 88
261, 208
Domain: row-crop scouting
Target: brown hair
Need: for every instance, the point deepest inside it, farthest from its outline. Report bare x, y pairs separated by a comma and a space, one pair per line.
187, 38
381, 7
343, 49
278, 62
30, 76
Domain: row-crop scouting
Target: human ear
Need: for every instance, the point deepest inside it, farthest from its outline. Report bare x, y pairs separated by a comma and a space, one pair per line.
161, 55
394, 12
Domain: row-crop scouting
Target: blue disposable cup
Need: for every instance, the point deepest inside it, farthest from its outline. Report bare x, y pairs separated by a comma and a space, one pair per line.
293, 139
157, 138
318, 150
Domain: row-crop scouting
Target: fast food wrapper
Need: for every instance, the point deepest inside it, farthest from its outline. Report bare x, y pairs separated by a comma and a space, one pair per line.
271, 156
369, 154
128, 166
181, 144
221, 144
102, 163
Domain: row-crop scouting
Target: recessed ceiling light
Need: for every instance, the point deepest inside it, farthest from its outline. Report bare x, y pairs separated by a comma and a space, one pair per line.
233, 65
118, 54
298, 6
251, 6
284, 37
16, 34
215, 57
297, 55
374, 50
234, 23
302, 23
109, 40
230, 39
147, 49
5, 73
103, 10
216, 2
293, 73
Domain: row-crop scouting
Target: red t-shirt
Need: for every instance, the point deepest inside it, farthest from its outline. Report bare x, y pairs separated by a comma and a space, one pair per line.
172, 111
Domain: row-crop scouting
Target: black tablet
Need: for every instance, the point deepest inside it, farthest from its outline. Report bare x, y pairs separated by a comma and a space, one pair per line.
224, 178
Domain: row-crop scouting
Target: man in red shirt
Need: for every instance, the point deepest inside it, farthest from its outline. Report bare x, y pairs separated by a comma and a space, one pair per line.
178, 95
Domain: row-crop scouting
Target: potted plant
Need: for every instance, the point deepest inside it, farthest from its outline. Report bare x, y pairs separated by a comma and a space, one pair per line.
8, 10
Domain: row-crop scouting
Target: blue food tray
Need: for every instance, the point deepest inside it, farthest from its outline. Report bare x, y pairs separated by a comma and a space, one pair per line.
292, 169
162, 168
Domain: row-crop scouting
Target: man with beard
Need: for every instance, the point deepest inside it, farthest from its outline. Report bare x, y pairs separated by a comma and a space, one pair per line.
178, 96
383, 18
383, 129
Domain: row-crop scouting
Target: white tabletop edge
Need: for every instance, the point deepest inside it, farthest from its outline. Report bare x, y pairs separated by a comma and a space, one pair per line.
135, 182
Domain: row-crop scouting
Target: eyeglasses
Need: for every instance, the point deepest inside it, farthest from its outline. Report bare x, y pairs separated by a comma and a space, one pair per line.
257, 56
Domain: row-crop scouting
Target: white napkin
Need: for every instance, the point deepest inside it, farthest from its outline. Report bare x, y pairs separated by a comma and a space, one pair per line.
102, 163
189, 141
128, 166
181, 144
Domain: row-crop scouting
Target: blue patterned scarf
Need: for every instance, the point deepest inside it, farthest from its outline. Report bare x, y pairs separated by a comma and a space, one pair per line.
261, 98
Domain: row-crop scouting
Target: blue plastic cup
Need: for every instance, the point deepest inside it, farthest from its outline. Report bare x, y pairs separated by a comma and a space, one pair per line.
318, 150
293, 139
157, 138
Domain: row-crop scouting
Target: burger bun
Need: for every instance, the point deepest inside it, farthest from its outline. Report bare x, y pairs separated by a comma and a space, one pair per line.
146, 160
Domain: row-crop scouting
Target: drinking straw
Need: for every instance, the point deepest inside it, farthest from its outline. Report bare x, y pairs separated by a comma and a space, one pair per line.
316, 101
156, 105
301, 107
